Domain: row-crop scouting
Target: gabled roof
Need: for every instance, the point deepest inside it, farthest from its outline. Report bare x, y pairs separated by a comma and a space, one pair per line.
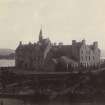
63, 50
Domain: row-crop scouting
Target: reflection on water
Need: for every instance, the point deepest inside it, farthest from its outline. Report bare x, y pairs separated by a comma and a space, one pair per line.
8, 101
7, 63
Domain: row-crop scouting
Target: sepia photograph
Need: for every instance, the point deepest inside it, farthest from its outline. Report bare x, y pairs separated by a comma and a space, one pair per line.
52, 52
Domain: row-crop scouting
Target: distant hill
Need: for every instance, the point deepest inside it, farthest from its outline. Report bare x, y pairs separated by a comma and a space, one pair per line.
6, 51
7, 54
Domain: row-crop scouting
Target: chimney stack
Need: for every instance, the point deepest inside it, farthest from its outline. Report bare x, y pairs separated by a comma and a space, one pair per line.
83, 41
73, 42
95, 44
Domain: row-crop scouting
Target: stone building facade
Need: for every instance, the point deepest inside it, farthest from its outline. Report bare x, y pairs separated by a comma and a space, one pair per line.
45, 56
33, 56
86, 55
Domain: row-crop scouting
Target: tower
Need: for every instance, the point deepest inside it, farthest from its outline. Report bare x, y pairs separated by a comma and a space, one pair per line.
40, 35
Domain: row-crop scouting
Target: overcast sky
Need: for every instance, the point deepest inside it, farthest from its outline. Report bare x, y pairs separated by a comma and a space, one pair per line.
62, 21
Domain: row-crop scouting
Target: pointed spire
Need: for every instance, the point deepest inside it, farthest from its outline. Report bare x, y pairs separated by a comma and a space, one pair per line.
40, 34
20, 43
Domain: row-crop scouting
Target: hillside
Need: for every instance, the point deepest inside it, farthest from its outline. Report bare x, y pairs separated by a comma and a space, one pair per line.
6, 51
7, 54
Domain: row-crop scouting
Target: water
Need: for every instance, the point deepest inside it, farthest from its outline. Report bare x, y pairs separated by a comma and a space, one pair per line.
9, 101
7, 63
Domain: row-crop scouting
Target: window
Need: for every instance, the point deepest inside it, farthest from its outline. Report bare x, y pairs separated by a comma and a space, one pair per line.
82, 51
86, 58
89, 57
81, 57
93, 57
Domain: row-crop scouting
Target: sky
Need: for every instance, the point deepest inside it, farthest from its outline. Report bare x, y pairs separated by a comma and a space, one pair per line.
61, 20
